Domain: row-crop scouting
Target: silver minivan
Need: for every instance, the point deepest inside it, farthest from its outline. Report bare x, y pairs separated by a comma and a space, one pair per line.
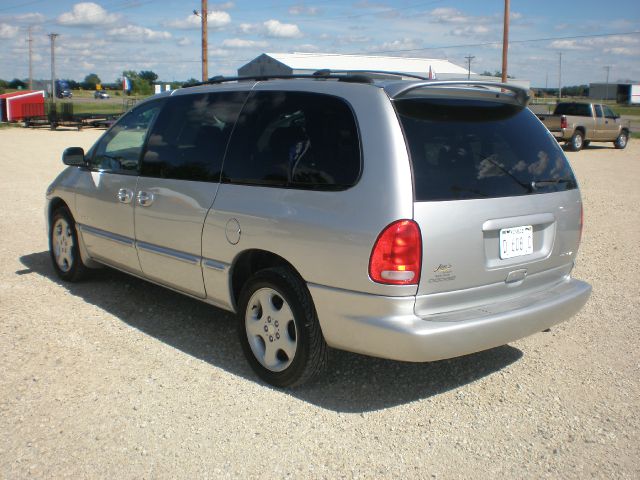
406, 219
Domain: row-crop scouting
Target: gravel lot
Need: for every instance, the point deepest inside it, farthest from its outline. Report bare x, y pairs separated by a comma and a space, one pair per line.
117, 378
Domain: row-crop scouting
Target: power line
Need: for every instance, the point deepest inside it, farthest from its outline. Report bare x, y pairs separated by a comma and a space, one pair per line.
486, 44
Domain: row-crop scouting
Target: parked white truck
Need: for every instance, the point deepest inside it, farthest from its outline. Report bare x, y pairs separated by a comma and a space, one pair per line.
578, 124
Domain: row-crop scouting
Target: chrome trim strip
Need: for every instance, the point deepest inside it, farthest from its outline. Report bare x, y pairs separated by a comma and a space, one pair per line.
168, 252
108, 235
213, 264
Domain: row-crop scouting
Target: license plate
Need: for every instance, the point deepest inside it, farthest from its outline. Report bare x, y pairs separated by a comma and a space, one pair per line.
516, 241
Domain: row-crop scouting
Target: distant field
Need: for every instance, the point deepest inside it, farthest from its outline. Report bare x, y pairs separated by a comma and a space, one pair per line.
98, 108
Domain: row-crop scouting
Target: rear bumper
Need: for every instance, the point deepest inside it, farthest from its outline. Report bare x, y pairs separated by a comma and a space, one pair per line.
387, 326
561, 135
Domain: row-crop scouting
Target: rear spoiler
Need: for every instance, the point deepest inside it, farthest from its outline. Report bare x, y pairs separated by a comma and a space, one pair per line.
519, 94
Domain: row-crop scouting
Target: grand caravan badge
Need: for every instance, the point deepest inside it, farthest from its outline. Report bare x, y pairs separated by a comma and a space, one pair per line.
443, 273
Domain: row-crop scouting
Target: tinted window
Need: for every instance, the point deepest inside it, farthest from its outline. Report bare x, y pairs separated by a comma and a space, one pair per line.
576, 109
294, 139
608, 112
119, 150
463, 149
189, 138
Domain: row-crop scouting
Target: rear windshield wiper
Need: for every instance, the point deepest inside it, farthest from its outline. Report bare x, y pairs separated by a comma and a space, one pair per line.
553, 181
528, 188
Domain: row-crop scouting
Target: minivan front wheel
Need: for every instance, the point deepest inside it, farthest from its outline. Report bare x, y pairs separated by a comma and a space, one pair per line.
64, 247
279, 329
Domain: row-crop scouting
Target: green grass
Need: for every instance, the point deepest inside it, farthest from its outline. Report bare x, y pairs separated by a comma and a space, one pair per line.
98, 108
626, 110
635, 134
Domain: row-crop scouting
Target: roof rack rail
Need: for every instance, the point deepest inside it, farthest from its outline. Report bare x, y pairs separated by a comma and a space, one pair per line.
520, 94
318, 75
364, 72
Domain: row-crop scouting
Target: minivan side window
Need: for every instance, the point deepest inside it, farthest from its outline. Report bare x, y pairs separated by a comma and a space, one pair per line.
119, 150
189, 139
296, 140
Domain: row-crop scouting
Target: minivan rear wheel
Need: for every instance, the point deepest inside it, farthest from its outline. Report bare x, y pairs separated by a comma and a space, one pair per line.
279, 329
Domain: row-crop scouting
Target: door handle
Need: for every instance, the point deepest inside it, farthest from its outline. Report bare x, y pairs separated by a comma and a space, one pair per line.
124, 195
145, 198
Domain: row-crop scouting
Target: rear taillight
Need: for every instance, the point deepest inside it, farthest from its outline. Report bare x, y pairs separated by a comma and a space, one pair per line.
396, 257
563, 122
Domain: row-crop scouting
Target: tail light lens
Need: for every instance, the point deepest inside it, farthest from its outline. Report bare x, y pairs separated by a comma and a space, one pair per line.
396, 258
563, 122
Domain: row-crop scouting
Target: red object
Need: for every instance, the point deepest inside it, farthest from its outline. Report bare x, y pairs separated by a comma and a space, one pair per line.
23, 104
396, 258
563, 122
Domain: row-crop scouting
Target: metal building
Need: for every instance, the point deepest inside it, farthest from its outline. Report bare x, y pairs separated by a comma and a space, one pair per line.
628, 93
307, 63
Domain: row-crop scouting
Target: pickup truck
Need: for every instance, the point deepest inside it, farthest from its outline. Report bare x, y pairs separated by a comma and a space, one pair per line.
578, 124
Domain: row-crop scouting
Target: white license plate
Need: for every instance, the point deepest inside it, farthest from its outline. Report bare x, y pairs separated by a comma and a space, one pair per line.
516, 241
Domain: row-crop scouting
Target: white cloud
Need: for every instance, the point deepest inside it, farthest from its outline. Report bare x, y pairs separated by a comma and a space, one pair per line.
399, 44
277, 29
470, 30
303, 10
131, 32
215, 19
30, 18
308, 47
87, 14
247, 28
222, 6
242, 43
621, 51
184, 42
8, 31
450, 15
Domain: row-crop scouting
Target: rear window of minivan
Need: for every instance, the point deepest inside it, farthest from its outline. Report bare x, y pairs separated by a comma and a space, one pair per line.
468, 149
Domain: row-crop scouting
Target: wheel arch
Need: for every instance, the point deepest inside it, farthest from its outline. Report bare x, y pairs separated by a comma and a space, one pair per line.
56, 203
247, 263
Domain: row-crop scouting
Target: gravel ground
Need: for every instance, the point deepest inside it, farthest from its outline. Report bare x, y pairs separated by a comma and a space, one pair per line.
117, 378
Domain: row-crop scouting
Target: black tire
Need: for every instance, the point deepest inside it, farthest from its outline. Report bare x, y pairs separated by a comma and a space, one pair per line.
586, 143
299, 325
64, 247
622, 140
577, 141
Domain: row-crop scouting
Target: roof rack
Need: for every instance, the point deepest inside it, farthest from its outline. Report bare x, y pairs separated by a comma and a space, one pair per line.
318, 75
519, 94
364, 72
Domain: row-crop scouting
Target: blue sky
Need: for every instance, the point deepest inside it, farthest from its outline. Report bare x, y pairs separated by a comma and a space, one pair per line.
109, 36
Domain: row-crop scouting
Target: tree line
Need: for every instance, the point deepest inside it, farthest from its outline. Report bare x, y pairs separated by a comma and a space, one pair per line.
141, 82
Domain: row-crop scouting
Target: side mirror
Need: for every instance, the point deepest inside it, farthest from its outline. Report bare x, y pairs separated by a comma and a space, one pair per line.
74, 156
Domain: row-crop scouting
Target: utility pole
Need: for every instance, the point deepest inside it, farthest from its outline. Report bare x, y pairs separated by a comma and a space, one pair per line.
52, 37
505, 41
469, 58
606, 95
205, 48
560, 76
30, 42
